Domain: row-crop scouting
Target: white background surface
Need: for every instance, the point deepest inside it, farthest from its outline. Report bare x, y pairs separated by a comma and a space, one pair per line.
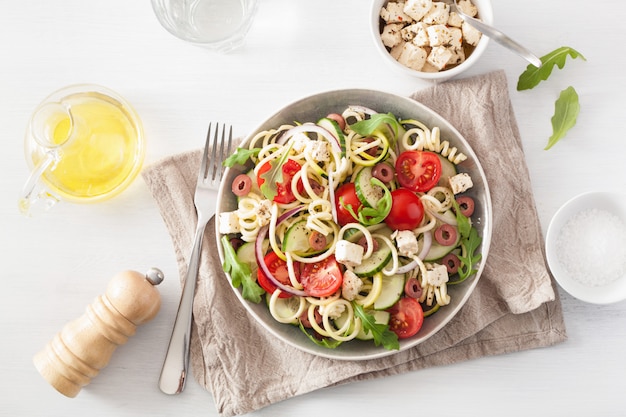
54, 265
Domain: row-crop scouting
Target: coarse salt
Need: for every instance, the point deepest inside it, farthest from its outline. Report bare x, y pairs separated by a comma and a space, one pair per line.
591, 247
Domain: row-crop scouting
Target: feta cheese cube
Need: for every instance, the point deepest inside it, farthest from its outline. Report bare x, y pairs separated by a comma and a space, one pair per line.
396, 51
416, 33
393, 13
412, 56
437, 276
391, 35
438, 35
471, 34
318, 150
351, 285
438, 14
456, 37
417, 9
468, 8
334, 310
458, 56
460, 182
229, 222
263, 211
455, 20
299, 142
406, 242
348, 253
439, 57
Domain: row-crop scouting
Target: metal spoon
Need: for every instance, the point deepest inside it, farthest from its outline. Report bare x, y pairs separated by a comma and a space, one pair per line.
496, 35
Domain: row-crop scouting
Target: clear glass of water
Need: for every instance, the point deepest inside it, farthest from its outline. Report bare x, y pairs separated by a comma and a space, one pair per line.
219, 25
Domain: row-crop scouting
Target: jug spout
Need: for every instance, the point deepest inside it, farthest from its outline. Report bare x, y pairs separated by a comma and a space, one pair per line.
34, 194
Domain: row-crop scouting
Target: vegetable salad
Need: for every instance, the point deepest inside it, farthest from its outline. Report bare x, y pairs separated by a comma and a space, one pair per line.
351, 227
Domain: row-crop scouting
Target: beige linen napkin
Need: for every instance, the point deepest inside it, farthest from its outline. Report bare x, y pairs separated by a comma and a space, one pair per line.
512, 308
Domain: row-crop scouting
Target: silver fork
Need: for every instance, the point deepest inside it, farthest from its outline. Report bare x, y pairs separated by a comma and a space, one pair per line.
176, 363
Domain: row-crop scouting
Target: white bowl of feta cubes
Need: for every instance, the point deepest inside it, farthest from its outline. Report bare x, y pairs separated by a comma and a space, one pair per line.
426, 38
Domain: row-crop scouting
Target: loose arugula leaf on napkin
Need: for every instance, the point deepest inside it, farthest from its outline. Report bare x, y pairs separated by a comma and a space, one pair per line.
533, 75
566, 111
240, 273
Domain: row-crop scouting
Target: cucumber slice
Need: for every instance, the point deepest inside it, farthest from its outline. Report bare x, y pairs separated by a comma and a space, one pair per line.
368, 193
376, 262
448, 170
246, 253
333, 127
393, 287
438, 251
380, 317
296, 240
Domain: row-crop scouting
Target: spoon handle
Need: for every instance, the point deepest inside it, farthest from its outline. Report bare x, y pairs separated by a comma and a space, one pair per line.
504, 40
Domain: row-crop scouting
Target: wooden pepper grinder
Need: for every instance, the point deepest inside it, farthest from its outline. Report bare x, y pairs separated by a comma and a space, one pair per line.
84, 346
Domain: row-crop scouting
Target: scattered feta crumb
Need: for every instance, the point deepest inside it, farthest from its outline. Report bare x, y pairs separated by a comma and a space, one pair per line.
349, 253
229, 222
406, 242
263, 211
437, 275
351, 285
460, 182
318, 150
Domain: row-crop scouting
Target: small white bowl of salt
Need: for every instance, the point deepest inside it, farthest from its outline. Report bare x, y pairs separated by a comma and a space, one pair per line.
586, 247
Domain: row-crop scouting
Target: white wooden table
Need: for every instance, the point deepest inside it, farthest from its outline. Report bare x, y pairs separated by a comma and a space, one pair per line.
54, 265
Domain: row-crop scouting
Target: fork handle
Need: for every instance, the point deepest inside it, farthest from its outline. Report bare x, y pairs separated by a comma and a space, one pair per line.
176, 363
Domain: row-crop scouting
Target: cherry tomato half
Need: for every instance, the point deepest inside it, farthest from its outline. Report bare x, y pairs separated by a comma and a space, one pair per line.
278, 268
407, 210
344, 196
418, 170
284, 195
323, 278
407, 317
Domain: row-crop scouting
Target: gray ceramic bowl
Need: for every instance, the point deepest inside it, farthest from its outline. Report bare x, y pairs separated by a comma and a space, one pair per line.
313, 108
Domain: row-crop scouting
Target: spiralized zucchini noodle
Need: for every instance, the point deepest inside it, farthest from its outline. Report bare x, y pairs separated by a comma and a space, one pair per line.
295, 215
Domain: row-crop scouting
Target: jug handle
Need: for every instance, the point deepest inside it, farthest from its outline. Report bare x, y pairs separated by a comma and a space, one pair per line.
34, 193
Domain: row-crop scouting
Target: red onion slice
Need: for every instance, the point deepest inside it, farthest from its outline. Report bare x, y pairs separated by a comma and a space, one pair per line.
311, 128
427, 243
258, 250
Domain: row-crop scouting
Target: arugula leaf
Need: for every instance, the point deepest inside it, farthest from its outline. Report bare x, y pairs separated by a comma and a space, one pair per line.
240, 273
325, 342
566, 111
470, 241
240, 157
370, 216
463, 223
369, 126
533, 75
274, 175
468, 258
382, 334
